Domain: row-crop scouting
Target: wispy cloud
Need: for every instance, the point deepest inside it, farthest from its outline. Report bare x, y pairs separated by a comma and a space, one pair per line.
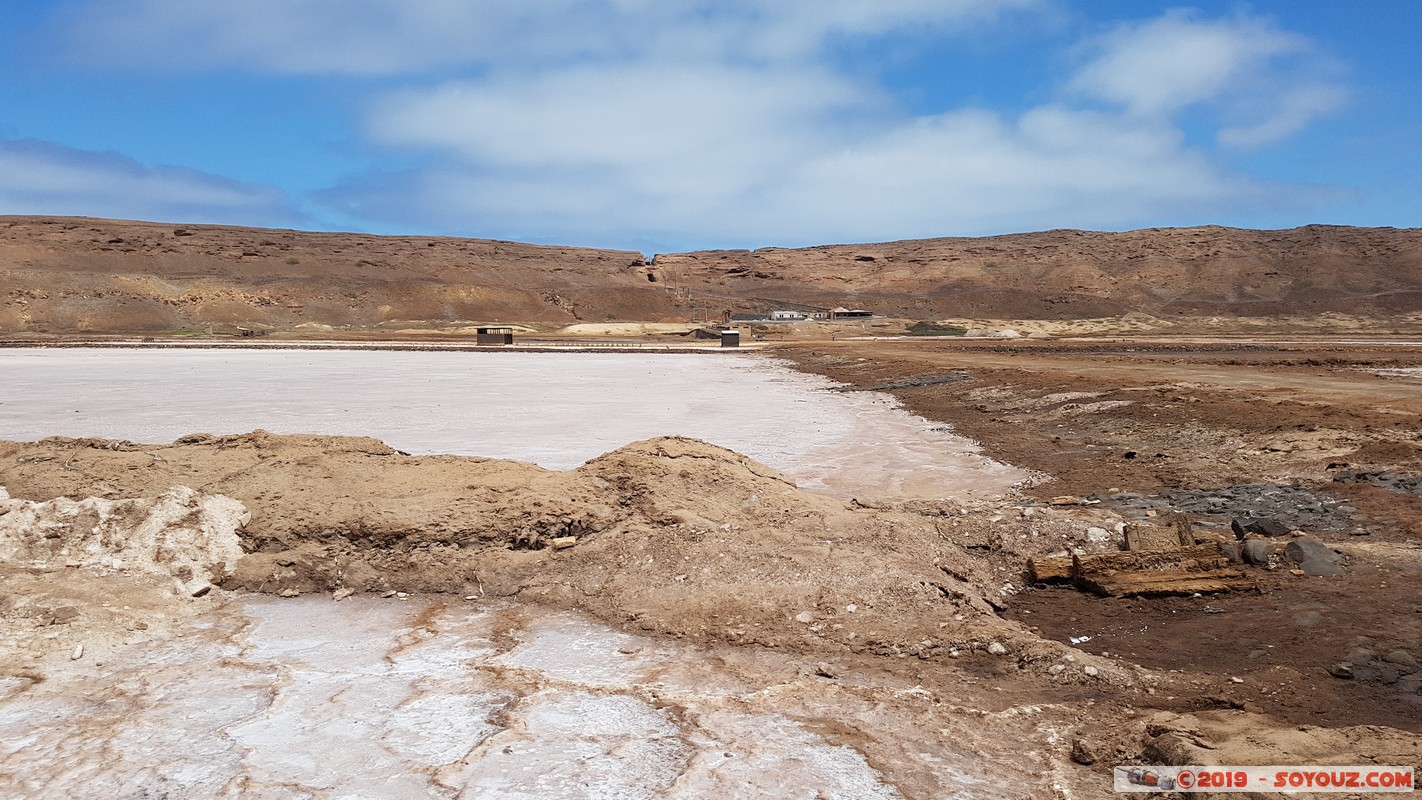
38, 177
734, 121
1265, 83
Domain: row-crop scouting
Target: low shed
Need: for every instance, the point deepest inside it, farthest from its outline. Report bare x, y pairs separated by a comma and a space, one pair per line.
493, 336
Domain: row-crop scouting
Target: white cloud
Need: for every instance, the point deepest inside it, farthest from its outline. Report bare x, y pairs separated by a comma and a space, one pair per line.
777, 180
792, 152
731, 121
39, 177
654, 129
1267, 83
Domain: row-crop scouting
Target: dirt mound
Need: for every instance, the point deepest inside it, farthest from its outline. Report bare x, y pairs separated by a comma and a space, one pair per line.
670, 535
181, 533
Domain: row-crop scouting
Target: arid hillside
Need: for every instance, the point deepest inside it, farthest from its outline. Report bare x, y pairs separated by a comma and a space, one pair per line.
1064, 274
79, 275
64, 275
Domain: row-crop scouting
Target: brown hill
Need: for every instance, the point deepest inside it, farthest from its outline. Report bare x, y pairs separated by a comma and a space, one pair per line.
1064, 274
67, 275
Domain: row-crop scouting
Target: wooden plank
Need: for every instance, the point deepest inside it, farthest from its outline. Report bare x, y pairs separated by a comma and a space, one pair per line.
1175, 533
1199, 568
1185, 570
1045, 570
1120, 584
1195, 558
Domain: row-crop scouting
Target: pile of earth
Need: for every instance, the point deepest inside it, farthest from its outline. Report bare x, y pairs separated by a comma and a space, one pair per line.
670, 535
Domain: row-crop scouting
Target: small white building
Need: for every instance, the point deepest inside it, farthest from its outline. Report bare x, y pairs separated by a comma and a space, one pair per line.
786, 316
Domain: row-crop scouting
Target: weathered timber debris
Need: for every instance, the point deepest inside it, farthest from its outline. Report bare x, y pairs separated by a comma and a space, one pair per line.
1183, 570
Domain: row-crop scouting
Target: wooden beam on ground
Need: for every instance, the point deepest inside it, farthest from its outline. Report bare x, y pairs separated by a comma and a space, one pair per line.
1049, 569
1187, 570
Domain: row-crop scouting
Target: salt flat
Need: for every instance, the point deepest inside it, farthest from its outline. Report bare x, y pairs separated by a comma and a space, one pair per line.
554, 409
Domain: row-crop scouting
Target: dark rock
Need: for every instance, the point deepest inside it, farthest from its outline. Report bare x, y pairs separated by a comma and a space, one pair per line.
1366, 672
1257, 551
1234, 551
1307, 548
1269, 527
1315, 558
1401, 657
1082, 752
1342, 671
1265, 526
1323, 569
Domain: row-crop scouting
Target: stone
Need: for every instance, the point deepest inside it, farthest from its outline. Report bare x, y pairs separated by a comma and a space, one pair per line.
1323, 569
63, 615
804, 618
1090, 671
629, 650
1056, 669
78, 653
1341, 671
1314, 557
288, 593
1082, 752
824, 670
1307, 548
997, 649
342, 593
1264, 526
564, 542
202, 589
1367, 672
1234, 551
1401, 657
1257, 551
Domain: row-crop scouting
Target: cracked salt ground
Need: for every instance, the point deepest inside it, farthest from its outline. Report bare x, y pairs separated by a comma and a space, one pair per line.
306, 698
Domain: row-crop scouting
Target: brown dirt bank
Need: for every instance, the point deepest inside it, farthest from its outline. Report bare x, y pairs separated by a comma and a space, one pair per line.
672, 534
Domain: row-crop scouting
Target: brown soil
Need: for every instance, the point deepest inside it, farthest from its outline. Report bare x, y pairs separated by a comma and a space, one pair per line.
1203, 418
672, 534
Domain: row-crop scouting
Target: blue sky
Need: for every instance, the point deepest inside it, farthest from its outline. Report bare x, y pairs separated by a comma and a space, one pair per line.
664, 125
